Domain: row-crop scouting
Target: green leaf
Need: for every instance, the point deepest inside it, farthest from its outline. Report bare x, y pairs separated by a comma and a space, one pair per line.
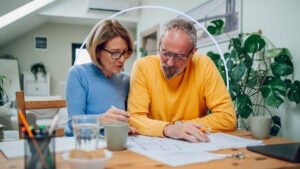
219, 63
235, 43
214, 56
234, 90
244, 106
273, 90
282, 69
294, 92
215, 27
247, 60
254, 43
282, 65
143, 52
277, 52
238, 72
230, 64
252, 79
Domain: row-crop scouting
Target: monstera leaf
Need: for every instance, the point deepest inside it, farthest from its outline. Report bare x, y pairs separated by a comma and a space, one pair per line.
273, 90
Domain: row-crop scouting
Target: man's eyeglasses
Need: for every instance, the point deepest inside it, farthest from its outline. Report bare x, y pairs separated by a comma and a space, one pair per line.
117, 55
177, 57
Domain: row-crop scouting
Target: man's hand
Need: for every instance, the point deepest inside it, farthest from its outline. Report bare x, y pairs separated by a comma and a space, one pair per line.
189, 131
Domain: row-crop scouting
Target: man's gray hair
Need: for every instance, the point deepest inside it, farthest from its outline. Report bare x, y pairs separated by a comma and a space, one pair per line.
184, 25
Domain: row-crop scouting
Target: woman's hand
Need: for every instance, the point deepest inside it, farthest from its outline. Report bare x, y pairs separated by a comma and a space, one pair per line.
114, 115
117, 115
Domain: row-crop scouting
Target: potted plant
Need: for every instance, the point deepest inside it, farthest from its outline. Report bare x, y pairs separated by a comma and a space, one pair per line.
38, 68
259, 74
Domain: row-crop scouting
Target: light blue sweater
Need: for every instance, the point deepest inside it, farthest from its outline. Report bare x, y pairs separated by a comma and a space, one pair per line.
89, 91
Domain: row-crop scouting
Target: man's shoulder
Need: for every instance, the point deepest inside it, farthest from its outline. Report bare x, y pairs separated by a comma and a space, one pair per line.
200, 57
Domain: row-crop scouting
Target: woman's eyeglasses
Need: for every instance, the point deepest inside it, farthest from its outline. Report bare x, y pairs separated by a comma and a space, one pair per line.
117, 55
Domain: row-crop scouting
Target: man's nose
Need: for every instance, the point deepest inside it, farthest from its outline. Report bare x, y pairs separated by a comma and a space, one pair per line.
171, 61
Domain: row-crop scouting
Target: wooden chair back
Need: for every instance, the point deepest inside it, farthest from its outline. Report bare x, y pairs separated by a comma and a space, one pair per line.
23, 105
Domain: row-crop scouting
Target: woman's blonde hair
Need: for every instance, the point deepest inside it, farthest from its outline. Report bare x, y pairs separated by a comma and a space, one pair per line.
104, 31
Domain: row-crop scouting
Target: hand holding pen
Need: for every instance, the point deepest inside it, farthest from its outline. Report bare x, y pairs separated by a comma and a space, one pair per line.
117, 115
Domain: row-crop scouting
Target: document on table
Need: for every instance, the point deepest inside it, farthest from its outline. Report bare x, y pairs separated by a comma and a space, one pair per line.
177, 152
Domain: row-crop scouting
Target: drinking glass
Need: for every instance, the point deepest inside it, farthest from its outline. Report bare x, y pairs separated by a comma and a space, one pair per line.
86, 131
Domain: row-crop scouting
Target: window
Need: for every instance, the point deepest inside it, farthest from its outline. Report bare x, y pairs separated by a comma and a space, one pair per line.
79, 56
40, 43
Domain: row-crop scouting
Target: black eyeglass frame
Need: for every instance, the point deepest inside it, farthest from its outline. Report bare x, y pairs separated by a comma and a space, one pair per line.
118, 55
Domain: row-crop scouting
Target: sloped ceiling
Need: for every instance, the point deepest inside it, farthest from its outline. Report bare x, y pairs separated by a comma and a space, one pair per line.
60, 11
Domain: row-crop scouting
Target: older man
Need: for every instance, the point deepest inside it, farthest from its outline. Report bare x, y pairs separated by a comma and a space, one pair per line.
170, 94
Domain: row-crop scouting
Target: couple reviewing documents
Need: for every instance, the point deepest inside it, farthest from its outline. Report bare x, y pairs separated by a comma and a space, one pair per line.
168, 94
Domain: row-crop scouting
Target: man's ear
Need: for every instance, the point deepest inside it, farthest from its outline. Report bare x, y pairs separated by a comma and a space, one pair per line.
194, 50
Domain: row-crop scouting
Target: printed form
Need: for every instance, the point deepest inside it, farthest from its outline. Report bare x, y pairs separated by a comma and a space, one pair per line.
177, 152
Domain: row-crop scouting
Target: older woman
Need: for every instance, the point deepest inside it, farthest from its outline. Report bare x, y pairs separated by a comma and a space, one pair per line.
101, 87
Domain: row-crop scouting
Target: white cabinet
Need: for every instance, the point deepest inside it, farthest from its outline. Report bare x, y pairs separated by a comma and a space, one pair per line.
36, 87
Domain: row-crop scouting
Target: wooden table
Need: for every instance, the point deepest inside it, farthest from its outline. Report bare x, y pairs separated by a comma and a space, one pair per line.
130, 160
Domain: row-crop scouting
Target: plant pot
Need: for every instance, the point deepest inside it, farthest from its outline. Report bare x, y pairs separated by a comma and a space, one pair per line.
260, 126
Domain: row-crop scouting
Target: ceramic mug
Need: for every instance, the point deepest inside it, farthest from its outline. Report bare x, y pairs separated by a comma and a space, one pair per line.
116, 134
260, 126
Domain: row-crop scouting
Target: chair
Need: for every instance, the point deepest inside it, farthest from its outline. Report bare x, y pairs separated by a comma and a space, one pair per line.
23, 106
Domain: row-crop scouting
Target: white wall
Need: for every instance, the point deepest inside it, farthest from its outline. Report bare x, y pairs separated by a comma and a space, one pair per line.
57, 58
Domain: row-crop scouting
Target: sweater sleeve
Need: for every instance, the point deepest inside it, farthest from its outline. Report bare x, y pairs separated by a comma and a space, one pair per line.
222, 116
75, 97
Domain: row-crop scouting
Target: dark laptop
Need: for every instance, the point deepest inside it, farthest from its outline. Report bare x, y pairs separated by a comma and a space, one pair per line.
287, 151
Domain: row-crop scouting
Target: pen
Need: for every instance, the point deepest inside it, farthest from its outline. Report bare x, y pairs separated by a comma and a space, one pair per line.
205, 129
138, 122
54, 122
30, 134
135, 120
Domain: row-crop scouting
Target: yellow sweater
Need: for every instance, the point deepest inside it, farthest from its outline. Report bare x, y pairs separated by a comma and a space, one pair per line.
157, 101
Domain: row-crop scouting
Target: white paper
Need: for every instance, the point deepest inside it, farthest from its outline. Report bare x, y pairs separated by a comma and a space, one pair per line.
169, 151
177, 152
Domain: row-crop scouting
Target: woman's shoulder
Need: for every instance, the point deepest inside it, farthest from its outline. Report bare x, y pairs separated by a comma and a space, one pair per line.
82, 68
